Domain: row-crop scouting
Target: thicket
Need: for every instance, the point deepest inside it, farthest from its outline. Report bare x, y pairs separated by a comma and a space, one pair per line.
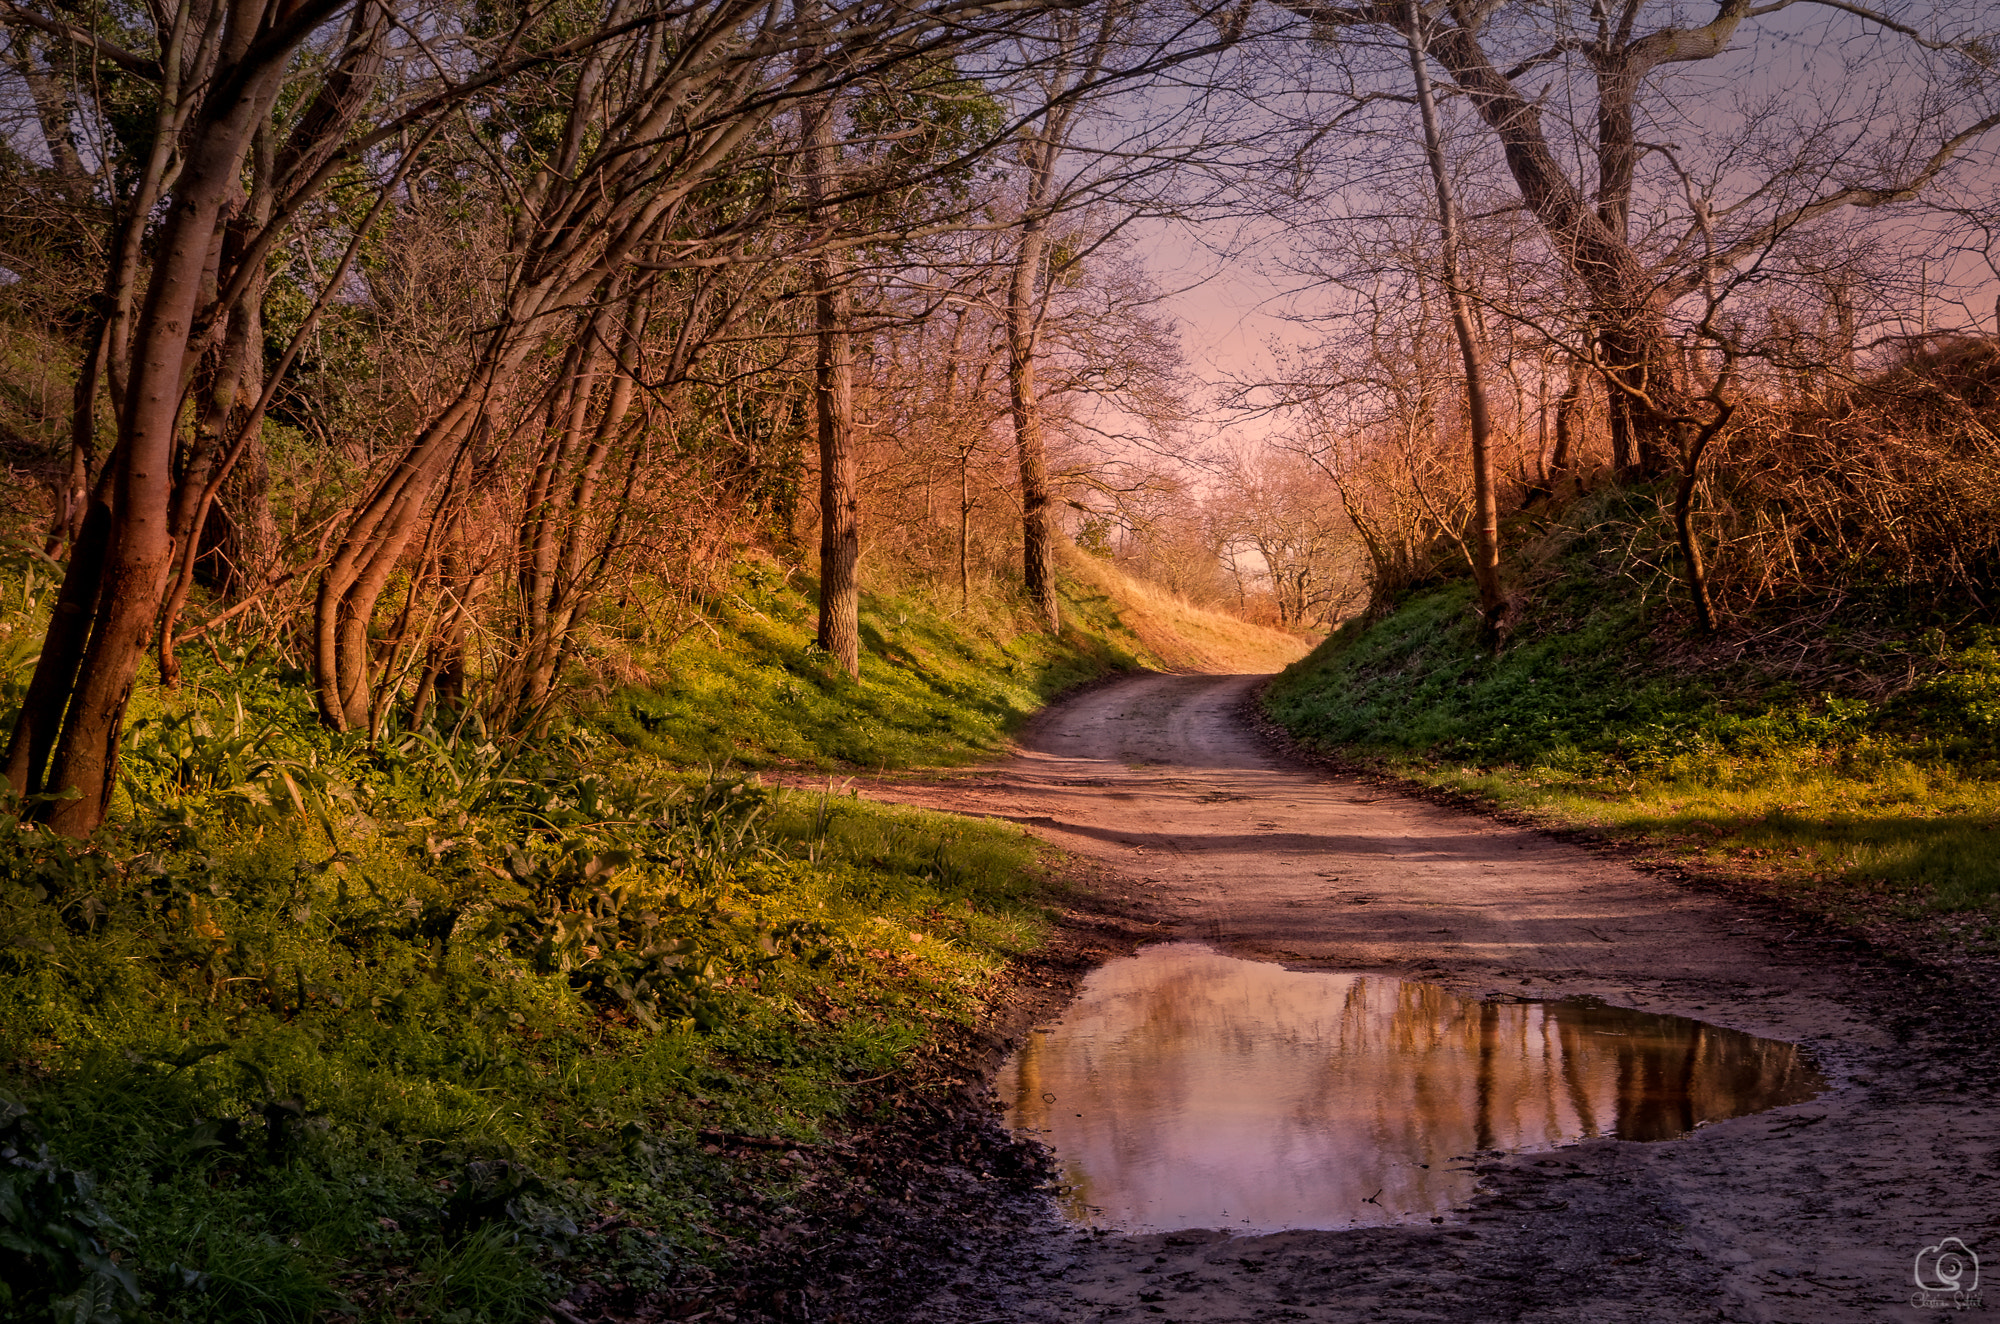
1551, 253
413, 357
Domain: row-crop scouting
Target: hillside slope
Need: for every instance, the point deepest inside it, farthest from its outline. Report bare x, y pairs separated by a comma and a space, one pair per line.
1845, 760
1174, 634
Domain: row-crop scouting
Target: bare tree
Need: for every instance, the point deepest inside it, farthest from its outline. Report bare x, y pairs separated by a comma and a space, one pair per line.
1286, 514
833, 404
1883, 136
1081, 50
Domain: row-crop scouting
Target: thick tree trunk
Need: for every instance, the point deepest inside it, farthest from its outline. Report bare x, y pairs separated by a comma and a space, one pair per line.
222, 522
1646, 394
139, 554
202, 533
219, 536
949, 412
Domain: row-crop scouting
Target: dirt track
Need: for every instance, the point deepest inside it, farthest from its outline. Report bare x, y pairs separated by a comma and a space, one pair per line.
1811, 1213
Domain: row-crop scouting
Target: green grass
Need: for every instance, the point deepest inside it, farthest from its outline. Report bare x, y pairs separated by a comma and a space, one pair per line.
403, 1073
752, 689
317, 1028
1593, 717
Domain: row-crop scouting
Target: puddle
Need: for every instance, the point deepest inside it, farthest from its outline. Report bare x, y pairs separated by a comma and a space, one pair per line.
1184, 1088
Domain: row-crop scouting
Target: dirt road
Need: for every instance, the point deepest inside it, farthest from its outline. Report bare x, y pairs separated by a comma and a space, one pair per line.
1813, 1213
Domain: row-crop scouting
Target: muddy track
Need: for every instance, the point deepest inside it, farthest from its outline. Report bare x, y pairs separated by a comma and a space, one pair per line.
1202, 831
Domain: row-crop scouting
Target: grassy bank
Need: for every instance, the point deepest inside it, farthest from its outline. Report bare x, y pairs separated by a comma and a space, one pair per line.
449, 1027
1870, 788
939, 685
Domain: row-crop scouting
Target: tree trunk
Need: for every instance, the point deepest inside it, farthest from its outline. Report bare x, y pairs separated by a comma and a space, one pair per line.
1640, 376
1697, 566
833, 397
376, 536
237, 542
1636, 350
222, 522
1486, 506
839, 502
949, 415
81, 472
545, 515
1569, 407
568, 578
139, 553
441, 686
52, 106
40, 720
965, 528
1038, 567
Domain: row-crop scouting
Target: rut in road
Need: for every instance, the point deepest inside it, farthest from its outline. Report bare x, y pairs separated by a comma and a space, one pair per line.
1809, 1213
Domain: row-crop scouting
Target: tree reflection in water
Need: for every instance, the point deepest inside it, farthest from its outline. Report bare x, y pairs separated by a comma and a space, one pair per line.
1185, 1088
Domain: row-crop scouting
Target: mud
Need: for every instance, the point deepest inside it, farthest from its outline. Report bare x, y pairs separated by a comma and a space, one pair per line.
1809, 1213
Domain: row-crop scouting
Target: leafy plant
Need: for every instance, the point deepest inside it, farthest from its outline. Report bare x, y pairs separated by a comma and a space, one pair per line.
179, 767
55, 1258
481, 1278
535, 951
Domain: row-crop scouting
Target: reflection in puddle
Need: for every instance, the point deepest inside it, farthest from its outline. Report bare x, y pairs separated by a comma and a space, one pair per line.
1185, 1088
